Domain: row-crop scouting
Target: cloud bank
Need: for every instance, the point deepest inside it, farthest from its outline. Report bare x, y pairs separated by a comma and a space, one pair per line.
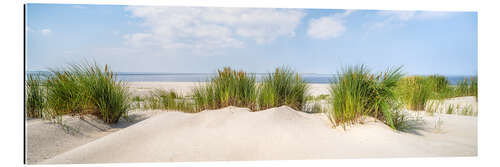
206, 29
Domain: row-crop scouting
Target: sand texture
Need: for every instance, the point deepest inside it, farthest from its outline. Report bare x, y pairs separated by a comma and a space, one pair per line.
282, 133
234, 134
46, 139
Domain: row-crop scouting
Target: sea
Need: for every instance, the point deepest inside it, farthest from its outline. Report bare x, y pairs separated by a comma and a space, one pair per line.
201, 77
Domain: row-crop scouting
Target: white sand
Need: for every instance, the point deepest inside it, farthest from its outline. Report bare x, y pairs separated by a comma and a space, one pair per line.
458, 106
185, 88
45, 139
276, 134
237, 134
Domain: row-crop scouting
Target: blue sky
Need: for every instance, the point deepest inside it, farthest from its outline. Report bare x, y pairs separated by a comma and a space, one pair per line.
182, 39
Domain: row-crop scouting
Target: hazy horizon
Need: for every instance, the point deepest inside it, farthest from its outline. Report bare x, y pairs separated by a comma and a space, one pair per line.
141, 39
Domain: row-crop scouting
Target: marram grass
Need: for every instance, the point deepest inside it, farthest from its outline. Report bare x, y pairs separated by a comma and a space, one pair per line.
415, 91
356, 93
228, 88
283, 87
166, 100
87, 89
35, 96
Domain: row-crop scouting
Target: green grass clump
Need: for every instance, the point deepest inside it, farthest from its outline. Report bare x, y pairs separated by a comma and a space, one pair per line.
283, 87
415, 91
228, 88
87, 89
167, 100
467, 87
356, 92
35, 96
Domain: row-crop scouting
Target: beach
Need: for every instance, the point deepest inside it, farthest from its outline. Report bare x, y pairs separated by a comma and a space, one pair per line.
234, 133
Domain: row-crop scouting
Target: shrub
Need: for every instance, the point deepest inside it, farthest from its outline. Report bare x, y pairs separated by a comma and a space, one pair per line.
35, 100
356, 93
283, 87
87, 89
228, 88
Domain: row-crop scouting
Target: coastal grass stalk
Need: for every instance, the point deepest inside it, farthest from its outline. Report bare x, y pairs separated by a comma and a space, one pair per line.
87, 89
35, 96
415, 91
467, 87
283, 87
356, 93
228, 88
167, 100
440, 87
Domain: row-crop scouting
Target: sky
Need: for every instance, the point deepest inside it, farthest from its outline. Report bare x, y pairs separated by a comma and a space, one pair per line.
202, 39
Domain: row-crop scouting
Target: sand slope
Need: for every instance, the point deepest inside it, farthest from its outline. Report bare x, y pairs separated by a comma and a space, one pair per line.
46, 139
276, 134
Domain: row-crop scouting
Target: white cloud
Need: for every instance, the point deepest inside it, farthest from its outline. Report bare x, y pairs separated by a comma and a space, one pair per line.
397, 18
45, 31
210, 28
328, 26
325, 27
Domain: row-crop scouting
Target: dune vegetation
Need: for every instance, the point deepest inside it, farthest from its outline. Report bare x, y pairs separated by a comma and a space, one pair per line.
164, 100
356, 92
467, 87
228, 88
283, 87
416, 91
86, 89
35, 98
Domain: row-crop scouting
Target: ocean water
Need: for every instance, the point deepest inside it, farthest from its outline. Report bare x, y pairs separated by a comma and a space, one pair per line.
200, 77
196, 77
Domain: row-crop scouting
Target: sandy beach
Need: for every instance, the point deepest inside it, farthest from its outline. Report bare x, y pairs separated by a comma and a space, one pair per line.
234, 133
185, 88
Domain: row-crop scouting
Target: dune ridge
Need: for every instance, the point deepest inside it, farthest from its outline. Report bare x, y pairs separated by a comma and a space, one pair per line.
233, 133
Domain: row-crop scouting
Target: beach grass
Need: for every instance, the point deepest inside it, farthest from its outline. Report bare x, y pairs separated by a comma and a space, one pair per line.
283, 87
167, 100
467, 87
228, 88
356, 93
35, 96
87, 89
415, 91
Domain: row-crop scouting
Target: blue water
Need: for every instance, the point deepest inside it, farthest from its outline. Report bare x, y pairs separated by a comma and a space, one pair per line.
200, 77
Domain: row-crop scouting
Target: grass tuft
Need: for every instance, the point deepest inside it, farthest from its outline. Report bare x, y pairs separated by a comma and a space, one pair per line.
87, 89
35, 96
356, 92
228, 88
283, 87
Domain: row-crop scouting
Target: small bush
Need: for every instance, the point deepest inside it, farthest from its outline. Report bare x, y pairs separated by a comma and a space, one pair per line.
356, 92
35, 96
228, 88
283, 87
87, 89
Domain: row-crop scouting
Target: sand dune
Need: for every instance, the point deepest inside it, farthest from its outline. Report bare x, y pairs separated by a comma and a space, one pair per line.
46, 139
275, 134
